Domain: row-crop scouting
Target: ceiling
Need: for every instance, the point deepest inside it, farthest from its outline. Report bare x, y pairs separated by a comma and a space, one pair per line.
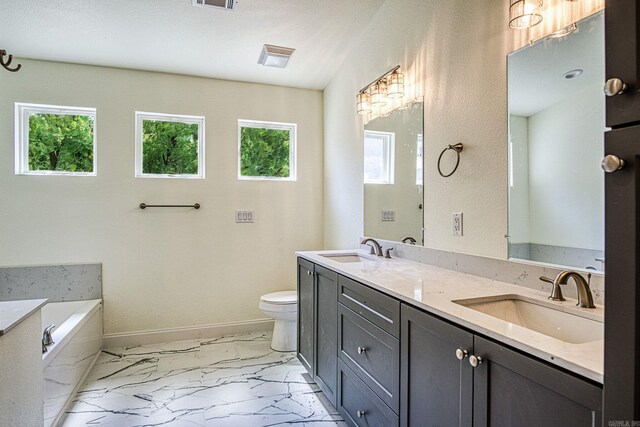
536, 72
173, 36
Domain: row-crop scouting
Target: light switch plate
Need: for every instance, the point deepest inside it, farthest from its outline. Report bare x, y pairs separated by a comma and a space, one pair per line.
243, 217
388, 215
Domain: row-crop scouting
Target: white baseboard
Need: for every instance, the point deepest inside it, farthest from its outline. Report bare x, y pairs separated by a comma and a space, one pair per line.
132, 339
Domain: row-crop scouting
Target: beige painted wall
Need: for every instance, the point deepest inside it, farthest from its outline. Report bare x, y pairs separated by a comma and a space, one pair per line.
172, 267
454, 54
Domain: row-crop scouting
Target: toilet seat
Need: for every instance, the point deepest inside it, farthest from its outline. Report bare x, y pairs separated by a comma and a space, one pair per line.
280, 298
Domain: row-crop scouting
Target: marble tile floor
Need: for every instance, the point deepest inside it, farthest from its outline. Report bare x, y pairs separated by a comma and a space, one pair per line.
230, 381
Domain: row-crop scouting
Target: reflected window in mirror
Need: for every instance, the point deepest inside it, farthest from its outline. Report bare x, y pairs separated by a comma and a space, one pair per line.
393, 155
556, 140
379, 150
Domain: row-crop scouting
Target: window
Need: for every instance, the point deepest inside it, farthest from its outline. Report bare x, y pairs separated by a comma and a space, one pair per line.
55, 140
169, 146
378, 157
266, 150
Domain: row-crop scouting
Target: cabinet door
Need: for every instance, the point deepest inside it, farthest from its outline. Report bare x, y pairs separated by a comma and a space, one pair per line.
436, 387
622, 302
512, 389
306, 301
326, 366
622, 56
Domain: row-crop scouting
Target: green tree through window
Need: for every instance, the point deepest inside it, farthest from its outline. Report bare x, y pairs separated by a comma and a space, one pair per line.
265, 152
169, 147
61, 142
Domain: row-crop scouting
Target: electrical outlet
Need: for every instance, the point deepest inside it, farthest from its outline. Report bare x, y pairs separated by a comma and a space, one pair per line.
456, 223
387, 215
244, 217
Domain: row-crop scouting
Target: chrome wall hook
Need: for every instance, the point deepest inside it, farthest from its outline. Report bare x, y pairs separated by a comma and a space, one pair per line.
6, 63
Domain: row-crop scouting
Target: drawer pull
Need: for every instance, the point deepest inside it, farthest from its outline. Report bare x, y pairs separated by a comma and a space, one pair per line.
475, 361
360, 414
362, 350
461, 354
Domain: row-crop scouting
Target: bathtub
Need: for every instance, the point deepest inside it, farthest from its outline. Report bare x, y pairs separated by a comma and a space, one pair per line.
77, 343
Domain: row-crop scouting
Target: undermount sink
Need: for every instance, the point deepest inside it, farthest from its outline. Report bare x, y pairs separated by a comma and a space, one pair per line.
344, 257
559, 323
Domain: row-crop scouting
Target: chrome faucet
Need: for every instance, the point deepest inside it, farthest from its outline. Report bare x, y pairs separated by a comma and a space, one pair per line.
46, 335
585, 298
376, 249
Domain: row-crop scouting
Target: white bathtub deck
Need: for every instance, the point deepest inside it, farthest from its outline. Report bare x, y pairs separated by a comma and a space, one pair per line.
230, 381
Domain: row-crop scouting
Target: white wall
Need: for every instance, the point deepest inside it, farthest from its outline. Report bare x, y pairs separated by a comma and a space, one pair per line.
454, 54
519, 188
566, 183
164, 268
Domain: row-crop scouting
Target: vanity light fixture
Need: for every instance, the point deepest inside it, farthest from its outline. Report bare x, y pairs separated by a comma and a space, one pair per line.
524, 13
275, 56
363, 102
378, 93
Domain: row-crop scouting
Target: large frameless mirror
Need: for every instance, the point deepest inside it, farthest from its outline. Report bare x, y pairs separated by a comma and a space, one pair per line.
393, 178
556, 140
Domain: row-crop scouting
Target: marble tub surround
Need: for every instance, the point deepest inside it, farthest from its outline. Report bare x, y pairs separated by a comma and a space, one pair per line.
229, 381
70, 282
14, 312
521, 273
434, 289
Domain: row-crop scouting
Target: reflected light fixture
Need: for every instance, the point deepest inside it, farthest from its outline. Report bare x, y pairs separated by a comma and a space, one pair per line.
384, 90
524, 13
569, 29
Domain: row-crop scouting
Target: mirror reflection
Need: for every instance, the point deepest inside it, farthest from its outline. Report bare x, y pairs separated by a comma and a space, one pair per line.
556, 140
393, 178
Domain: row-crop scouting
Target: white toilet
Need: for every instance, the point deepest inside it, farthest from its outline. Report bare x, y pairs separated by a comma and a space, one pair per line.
283, 308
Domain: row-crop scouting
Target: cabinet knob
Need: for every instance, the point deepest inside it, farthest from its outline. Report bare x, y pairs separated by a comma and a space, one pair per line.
612, 163
461, 354
475, 361
309, 273
360, 414
362, 350
615, 86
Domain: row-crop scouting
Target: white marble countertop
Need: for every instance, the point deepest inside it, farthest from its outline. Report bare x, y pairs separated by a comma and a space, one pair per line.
14, 312
434, 289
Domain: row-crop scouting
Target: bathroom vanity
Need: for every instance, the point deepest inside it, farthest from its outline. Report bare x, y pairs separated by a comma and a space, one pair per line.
393, 342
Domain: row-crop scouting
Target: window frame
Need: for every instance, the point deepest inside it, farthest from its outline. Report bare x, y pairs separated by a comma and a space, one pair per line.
175, 118
293, 145
22, 112
389, 141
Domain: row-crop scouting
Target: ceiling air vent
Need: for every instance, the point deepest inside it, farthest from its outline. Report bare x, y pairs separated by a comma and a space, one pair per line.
220, 4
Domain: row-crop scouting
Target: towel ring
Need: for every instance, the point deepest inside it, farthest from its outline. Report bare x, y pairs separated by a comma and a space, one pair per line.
457, 148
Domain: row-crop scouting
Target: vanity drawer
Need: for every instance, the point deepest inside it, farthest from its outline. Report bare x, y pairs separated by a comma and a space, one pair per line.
372, 354
380, 309
358, 404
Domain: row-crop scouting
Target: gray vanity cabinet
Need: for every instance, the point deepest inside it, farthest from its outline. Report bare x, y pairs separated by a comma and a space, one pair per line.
440, 387
437, 387
326, 368
318, 324
306, 311
512, 389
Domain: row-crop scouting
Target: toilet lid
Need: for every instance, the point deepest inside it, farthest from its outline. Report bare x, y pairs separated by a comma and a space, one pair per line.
282, 297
